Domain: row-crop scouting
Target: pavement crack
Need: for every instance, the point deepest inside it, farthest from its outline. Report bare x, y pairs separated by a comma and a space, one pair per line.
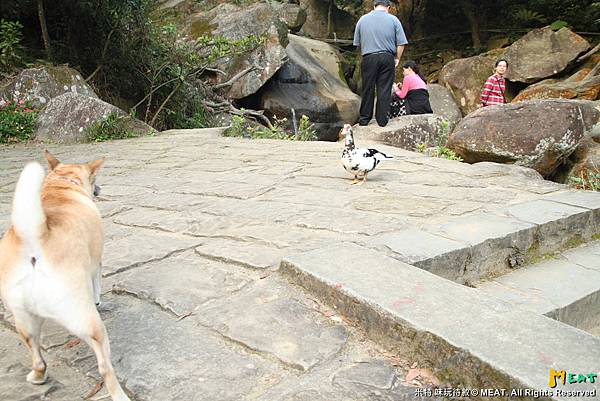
152, 260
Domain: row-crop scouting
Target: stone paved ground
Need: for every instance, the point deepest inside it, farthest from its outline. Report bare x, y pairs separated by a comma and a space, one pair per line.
196, 225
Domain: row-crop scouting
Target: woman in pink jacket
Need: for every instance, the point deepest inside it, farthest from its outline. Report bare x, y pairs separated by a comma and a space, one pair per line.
410, 97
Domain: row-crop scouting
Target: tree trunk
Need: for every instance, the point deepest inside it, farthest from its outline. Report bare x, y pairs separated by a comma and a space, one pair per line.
44, 27
473, 18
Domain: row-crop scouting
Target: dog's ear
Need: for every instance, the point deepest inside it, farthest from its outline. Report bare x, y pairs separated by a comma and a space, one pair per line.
95, 165
52, 161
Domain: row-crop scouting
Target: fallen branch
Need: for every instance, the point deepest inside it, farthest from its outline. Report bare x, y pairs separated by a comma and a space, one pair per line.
589, 54
593, 72
252, 113
235, 77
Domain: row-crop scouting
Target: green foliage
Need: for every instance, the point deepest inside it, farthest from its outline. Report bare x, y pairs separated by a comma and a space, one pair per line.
589, 179
526, 16
10, 45
558, 24
17, 121
442, 133
446, 153
109, 128
241, 127
306, 130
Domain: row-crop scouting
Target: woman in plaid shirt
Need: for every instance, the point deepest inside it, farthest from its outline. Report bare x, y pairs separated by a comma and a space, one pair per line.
495, 86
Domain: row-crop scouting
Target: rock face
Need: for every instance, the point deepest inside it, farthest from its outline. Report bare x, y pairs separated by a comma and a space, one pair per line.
444, 104
67, 116
543, 53
319, 25
233, 22
293, 15
587, 159
577, 86
465, 78
539, 134
41, 84
407, 132
310, 83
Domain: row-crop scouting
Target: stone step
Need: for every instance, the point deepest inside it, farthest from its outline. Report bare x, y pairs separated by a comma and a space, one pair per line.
468, 249
469, 338
566, 288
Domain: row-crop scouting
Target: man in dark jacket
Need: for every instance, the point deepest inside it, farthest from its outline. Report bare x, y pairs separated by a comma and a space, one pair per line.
381, 39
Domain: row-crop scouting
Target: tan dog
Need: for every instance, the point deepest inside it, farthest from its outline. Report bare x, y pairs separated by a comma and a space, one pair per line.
50, 261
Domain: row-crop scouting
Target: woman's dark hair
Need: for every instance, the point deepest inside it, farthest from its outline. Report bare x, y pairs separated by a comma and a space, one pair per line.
413, 66
501, 60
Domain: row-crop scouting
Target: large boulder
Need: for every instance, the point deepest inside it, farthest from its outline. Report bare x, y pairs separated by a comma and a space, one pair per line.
407, 132
311, 83
465, 78
235, 23
41, 84
587, 161
67, 117
324, 19
444, 104
543, 53
583, 84
539, 134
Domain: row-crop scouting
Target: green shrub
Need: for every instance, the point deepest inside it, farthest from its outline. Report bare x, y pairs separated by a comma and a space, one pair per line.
588, 179
306, 130
241, 127
10, 45
17, 120
109, 128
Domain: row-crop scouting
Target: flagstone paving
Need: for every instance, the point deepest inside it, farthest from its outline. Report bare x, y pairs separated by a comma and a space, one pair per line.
197, 225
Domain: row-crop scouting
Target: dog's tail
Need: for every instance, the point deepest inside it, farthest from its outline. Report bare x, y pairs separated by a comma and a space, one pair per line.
28, 217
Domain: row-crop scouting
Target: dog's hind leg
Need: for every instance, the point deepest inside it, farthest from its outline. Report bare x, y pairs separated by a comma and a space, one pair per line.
29, 327
97, 338
97, 285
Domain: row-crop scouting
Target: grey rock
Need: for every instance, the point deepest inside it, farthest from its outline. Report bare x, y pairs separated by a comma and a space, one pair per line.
539, 134
443, 103
542, 53
41, 84
310, 82
317, 17
407, 132
236, 23
465, 78
67, 117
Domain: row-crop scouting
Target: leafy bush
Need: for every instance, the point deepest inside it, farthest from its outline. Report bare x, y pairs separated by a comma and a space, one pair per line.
306, 130
17, 120
241, 127
10, 45
109, 128
589, 179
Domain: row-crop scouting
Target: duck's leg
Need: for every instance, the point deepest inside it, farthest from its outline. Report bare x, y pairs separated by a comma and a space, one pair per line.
355, 180
363, 180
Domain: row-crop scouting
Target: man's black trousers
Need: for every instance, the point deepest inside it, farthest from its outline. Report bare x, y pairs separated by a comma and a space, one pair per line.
378, 70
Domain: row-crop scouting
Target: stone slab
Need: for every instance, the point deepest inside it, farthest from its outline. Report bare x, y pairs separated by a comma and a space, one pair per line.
296, 336
180, 284
406, 307
438, 255
64, 383
559, 288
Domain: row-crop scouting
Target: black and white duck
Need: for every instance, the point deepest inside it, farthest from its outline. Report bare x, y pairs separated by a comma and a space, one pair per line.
359, 161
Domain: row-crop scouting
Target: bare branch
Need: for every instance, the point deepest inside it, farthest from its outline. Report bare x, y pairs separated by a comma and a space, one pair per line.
235, 77
102, 56
593, 72
589, 54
